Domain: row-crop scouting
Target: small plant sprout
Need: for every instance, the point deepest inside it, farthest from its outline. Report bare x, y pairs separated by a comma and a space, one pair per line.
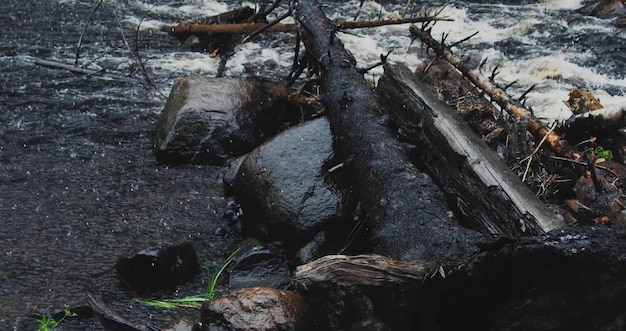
213, 280
195, 301
50, 324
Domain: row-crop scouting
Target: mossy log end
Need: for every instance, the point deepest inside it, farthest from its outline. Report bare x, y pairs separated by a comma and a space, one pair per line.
490, 197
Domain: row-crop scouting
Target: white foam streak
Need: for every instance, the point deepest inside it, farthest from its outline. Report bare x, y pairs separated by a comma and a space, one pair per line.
524, 28
562, 4
202, 8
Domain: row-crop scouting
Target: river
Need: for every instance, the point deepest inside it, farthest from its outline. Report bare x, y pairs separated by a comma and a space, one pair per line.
80, 186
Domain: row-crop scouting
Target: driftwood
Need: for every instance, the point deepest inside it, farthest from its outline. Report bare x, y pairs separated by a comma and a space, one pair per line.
83, 71
492, 199
400, 213
362, 270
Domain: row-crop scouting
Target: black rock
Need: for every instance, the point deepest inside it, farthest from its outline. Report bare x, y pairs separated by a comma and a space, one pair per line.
314, 249
285, 190
161, 268
208, 120
263, 268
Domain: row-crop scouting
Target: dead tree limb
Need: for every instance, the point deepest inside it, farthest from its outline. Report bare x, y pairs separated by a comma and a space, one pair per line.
497, 95
246, 28
492, 199
83, 71
82, 33
406, 218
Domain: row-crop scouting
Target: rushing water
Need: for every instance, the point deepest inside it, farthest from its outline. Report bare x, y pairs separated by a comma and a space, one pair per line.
79, 185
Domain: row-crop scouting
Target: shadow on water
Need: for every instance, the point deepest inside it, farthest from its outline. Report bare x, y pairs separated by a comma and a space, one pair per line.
79, 184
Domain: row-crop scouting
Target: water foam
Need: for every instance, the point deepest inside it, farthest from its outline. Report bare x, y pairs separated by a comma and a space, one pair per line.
526, 42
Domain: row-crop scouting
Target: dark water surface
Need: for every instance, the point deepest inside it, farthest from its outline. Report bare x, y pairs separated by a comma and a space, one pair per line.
79, 185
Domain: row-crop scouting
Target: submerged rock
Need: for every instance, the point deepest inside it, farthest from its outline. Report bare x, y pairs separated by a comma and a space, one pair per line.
260, 268
258, 308
162, 268
207, 120
284, 190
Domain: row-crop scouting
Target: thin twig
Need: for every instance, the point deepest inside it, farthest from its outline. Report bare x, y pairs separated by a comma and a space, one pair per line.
137, 56
265, 27
463, 40
82, 34
358, 11
406, 8
531, 156
585, 164
521, 97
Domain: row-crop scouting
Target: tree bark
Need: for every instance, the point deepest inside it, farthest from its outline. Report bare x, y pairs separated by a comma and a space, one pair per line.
492, 199
406, 220
362, 270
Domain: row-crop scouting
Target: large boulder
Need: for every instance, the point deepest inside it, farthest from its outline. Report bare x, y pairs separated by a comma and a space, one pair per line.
285, 189
208, 120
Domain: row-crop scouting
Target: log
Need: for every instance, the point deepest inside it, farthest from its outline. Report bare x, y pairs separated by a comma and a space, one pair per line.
406, 220
246, 28
546, 282
491, 198
362, 270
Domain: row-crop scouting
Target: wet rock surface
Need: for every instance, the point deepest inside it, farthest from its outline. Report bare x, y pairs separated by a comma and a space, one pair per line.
261, 267
160, 268
258, 308
285, 190
208, 120
314, 249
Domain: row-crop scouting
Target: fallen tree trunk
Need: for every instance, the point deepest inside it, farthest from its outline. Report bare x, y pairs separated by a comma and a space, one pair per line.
492, 199
246, 28
406, 220
566, 280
